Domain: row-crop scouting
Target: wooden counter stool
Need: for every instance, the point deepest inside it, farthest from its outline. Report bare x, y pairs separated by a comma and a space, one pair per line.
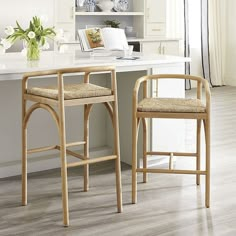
171, 108
54, 99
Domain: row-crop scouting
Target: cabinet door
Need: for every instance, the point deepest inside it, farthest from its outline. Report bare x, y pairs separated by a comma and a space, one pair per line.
151, 47
161, 47
156, 11
65, 17
170, 48
64, 11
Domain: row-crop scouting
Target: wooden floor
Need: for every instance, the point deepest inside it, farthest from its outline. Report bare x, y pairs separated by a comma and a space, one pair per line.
167, 204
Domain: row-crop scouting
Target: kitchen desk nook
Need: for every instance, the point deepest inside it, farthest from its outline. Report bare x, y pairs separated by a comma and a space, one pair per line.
12, 67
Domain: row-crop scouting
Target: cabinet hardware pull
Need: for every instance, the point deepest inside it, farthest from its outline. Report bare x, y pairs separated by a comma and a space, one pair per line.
163, 50
148, 13
72, 13
155, 92
156, 29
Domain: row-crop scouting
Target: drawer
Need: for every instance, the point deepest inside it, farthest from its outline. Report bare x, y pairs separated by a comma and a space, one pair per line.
155, 29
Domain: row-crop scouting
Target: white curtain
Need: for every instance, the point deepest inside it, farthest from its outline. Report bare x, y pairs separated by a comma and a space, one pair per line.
194, 7
217, 28
175, 18
217, 50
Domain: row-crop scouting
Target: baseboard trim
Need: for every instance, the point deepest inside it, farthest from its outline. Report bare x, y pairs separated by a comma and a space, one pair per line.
230, 81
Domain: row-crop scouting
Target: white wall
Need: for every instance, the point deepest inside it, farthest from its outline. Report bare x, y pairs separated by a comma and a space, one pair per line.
230, 43
22, 11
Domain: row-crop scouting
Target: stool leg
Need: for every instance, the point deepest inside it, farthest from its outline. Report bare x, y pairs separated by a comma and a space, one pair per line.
86, 146
64, 172
62, 133
207, 135
117, 153
198, 148
134, 158
24, 156
145, 174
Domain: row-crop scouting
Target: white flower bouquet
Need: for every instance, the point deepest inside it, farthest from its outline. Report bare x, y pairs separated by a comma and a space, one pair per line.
35, 37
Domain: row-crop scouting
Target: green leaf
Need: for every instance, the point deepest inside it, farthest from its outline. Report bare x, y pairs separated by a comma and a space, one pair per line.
35, 25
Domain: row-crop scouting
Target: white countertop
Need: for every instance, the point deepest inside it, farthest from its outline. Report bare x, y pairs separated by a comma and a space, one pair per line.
16, 63
13, 65
152, 39
134, 39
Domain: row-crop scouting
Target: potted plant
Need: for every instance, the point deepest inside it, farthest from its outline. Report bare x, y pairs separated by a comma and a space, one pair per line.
112, 23
34, 37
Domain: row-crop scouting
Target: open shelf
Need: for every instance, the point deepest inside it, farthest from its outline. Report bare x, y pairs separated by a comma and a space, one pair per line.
102, 13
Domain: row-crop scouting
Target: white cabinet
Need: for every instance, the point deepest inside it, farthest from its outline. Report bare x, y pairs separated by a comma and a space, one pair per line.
156, 11
65, 17
64, 11
168, 129
167, 47
165, 134
155, 18
170, 47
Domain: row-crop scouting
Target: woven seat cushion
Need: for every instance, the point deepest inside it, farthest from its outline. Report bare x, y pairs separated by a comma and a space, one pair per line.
171, 105
71, 91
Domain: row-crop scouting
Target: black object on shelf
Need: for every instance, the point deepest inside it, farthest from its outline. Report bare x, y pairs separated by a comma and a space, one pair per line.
136, 46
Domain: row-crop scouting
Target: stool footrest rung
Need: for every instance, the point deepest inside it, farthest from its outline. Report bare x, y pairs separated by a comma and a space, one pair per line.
166, 171
184, 154
48, 148
74, 154
41, 149
75, 144
91, 161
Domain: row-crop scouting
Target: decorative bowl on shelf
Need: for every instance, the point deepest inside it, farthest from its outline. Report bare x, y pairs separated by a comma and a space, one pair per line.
105, 5
121, 5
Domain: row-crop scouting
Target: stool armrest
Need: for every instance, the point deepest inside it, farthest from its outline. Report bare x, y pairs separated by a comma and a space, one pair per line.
208, 95
136, 90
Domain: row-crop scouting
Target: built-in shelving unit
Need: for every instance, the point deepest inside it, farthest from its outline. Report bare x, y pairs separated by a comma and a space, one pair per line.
147, 17
71, 19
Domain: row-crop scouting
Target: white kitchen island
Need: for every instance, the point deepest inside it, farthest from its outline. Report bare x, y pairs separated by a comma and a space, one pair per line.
13, 65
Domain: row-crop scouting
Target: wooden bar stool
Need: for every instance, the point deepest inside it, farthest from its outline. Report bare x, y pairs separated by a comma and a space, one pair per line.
54, 99
171, 108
